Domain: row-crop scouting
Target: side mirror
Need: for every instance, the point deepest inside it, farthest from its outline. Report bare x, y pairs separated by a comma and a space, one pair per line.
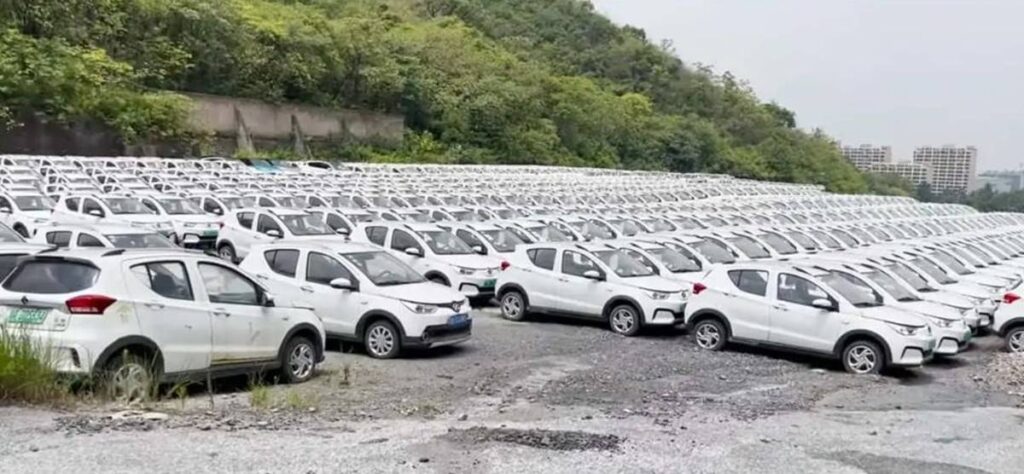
822, 303
268, 300
415, 252
5, 210
341, 231
343, 284
593, 275
96, 212
218, 211
274, 233
480, 249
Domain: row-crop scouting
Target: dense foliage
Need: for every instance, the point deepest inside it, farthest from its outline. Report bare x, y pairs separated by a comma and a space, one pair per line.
494, 81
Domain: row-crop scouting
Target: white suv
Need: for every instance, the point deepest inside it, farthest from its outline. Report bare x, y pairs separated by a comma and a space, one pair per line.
25, 211
100, 235
92, 208
590, 281
363, 294
808, 310
192, 226
139, 316
244, 228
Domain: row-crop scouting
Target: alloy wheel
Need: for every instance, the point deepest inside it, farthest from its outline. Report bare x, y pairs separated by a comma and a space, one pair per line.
708, 336
861, 359
380, 341
512, 306
1015, 341
130, 383
300, 361
623, 320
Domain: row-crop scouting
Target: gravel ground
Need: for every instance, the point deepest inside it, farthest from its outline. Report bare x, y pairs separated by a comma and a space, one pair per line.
556, 396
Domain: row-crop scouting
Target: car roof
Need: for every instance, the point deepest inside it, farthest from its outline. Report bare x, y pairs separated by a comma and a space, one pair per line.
325, 245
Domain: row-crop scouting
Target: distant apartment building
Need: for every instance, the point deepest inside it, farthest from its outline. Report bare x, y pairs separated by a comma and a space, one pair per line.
952, 168
913, 172
863, 156
1000, 181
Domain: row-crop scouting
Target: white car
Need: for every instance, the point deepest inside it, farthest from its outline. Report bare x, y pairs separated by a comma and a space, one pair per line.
101, 235
25, 211
140, 316
94, 208
485, 238
244, 228
193, 227
802, 309
591, 281
363, 295
1008, 322
436, 254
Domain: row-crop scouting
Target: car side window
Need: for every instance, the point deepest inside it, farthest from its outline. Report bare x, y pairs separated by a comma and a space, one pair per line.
167, 279
266, 224
245, 219
336, 223
754, 282
376, 234
575, 263
4, 203
469, 238
644, 260
71, 204
402, 240
266, 202
60, 239
542, 258
209, 205
322, 269
226, 286
283, 262
87, 240
150, 205
90, 205
799, 290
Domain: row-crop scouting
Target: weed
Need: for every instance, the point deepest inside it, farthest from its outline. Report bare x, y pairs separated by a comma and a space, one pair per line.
298, 401
346, 375
259, 397
27, 371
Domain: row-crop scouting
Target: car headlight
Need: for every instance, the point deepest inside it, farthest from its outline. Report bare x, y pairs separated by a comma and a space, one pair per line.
466, 271
658, 295
420, 308
942, 323
905, 330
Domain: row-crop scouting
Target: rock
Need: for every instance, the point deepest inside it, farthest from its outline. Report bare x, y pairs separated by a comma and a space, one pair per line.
205, 427
587, 417
34, 449
818, 371
262, 424
463, 417
424, 460
873, 433
154, 416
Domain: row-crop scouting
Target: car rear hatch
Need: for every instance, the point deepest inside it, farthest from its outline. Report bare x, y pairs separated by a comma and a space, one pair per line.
43, 293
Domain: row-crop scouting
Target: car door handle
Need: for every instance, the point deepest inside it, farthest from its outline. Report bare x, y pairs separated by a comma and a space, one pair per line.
730, 295
780, 307
262, 277
306, 289
221, 312
155, 305
563, 280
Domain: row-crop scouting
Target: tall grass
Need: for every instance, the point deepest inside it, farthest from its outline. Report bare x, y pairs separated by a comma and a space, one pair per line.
26, 371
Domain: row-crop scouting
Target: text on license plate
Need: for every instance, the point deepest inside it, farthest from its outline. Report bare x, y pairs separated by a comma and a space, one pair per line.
458, 320
489, 283
27, 316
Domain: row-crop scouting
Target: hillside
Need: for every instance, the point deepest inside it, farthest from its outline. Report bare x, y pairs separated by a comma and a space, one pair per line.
492, 81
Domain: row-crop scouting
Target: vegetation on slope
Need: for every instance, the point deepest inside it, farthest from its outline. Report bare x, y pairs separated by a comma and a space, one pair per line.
482, 81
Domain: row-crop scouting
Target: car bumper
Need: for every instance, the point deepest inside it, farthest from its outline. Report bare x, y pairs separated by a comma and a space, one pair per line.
440, 335
914, 353
473, 286
951, 341
671, 316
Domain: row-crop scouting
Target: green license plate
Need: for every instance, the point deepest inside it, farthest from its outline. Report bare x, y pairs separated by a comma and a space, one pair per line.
209, 233
489, 283
27, 316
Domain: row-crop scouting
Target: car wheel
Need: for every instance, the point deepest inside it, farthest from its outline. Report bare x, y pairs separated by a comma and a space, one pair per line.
624, 319
227, 252
131, 378
1015, 340
863, 357
513, 306
382, 340
298, 360
710, 334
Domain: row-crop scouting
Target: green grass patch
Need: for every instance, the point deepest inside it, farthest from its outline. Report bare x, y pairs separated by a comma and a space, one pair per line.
26, 371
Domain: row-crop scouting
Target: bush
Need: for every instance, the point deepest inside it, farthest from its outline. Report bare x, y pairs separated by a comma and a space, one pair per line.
26, 371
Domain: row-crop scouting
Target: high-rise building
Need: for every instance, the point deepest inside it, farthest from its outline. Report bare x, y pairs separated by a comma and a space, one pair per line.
913, 172
953, 168
863, 156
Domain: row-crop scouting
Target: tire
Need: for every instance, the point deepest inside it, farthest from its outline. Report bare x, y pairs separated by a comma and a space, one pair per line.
131, 378
513, 305
863, 357
382, 340
227, 252
1015, 340
625, 320
710, 334
298, 360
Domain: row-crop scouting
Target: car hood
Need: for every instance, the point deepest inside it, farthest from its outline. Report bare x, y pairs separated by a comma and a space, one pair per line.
973, 290
470, 261
38, 214
195, 219
929, 308
655, 283
949, 299
890, 314
425, 292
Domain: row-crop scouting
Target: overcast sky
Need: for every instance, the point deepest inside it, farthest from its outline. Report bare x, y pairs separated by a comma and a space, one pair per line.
902, 73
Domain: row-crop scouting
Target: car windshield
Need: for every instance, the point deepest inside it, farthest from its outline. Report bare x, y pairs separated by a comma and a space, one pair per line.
549, 233
853, 289
305, 224
675, 261
659, 225
383, 269
502, 240
465, 216
828, 240
968, 257
987, 257
932, 270
891, 286
806, 242
33, 203
846, 238
290, 202
177, 207
714, 251
445, 243
126, 206
688, 223
915, 280
139, 241
951, 262
749, 246
778, 243
238, 202
623, 264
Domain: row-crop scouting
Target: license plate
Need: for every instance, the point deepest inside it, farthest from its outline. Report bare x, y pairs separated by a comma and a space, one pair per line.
27, 316
458, 320
209, 233
489, 283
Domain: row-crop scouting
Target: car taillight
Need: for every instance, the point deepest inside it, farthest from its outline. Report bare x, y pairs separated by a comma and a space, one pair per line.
698, 287
1009, 298
505, 265
89, 304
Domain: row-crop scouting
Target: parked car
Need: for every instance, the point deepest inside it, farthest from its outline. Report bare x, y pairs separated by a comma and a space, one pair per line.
244, 228
25, 211
101, 235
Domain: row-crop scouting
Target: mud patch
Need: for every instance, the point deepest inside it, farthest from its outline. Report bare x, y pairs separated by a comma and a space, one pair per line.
540, 439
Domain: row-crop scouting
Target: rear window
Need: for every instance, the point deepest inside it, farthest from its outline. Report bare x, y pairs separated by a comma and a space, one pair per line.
52, 277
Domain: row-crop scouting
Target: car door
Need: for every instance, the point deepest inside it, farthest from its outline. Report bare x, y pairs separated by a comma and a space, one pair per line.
283, 274
243, 329
746, 304
575, 293
169, 313
541, 278
338, 309
795, 322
